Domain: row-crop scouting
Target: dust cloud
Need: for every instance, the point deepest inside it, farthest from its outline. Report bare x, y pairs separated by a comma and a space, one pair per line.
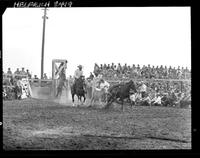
46, 93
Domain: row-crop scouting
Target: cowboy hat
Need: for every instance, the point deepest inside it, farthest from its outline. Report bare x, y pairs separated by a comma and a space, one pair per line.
80, 66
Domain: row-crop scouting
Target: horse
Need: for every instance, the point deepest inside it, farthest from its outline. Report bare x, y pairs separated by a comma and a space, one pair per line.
78, 89
121, 92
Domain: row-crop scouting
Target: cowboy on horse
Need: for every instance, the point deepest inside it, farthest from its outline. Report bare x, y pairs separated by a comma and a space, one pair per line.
78, 73
79, 87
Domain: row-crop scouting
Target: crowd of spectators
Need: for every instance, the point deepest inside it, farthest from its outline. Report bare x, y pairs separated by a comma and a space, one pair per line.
18, 74
10, 76
162, 94
161, 81
144, 72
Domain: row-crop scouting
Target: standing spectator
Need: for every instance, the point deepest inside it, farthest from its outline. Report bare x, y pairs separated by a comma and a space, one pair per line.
165, 72
104, 67
142, 89
91, 76
152, 73
101, 67
112, 66
9, 73
128, 70
23, 72
142, 71
138, 71
17, 72
28, 73
119, 69
45, 76
35, 78
96, 70
124, 69
108, 67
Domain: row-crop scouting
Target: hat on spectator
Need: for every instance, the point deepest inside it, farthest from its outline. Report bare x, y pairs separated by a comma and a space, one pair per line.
80, 66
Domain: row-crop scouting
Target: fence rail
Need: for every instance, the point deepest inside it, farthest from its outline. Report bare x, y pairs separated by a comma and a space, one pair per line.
13, 75
168, 80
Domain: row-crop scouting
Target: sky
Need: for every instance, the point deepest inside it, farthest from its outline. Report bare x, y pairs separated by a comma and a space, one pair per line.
132, 35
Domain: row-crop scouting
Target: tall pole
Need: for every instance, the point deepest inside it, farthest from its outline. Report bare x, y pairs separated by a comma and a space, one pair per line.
43, 40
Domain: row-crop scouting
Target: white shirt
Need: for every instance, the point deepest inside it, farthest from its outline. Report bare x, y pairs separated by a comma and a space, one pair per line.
105, 86
133, 97
147, 99
78, 73
143, 88
157, 100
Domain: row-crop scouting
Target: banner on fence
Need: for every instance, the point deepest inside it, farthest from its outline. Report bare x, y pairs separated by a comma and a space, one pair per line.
26, 88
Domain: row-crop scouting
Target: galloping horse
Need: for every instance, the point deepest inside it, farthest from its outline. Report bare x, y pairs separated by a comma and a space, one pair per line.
121, 91
78, 89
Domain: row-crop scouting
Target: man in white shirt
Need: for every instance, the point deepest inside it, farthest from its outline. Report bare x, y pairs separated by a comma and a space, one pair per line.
142, 89
78, 72
157, 100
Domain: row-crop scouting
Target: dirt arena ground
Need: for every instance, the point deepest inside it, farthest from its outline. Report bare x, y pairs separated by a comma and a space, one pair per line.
34, 124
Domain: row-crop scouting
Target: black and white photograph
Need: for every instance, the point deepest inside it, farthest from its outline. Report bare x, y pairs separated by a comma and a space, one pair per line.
96, 78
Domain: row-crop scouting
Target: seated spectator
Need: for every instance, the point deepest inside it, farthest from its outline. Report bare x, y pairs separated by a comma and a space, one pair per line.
135, 98
186, 101
35, 78
146, 101
165, 100
157, 100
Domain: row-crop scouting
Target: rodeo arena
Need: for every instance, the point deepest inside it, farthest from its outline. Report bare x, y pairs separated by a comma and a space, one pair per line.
116, 107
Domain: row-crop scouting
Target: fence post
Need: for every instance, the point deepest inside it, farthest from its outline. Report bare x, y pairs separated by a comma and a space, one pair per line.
181, 86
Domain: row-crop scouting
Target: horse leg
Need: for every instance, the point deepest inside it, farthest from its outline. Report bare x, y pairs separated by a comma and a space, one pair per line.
91, 101
78, 99
57, 93
81, 99
100, 100
109, 102
84, 98
73, 99
122, 106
